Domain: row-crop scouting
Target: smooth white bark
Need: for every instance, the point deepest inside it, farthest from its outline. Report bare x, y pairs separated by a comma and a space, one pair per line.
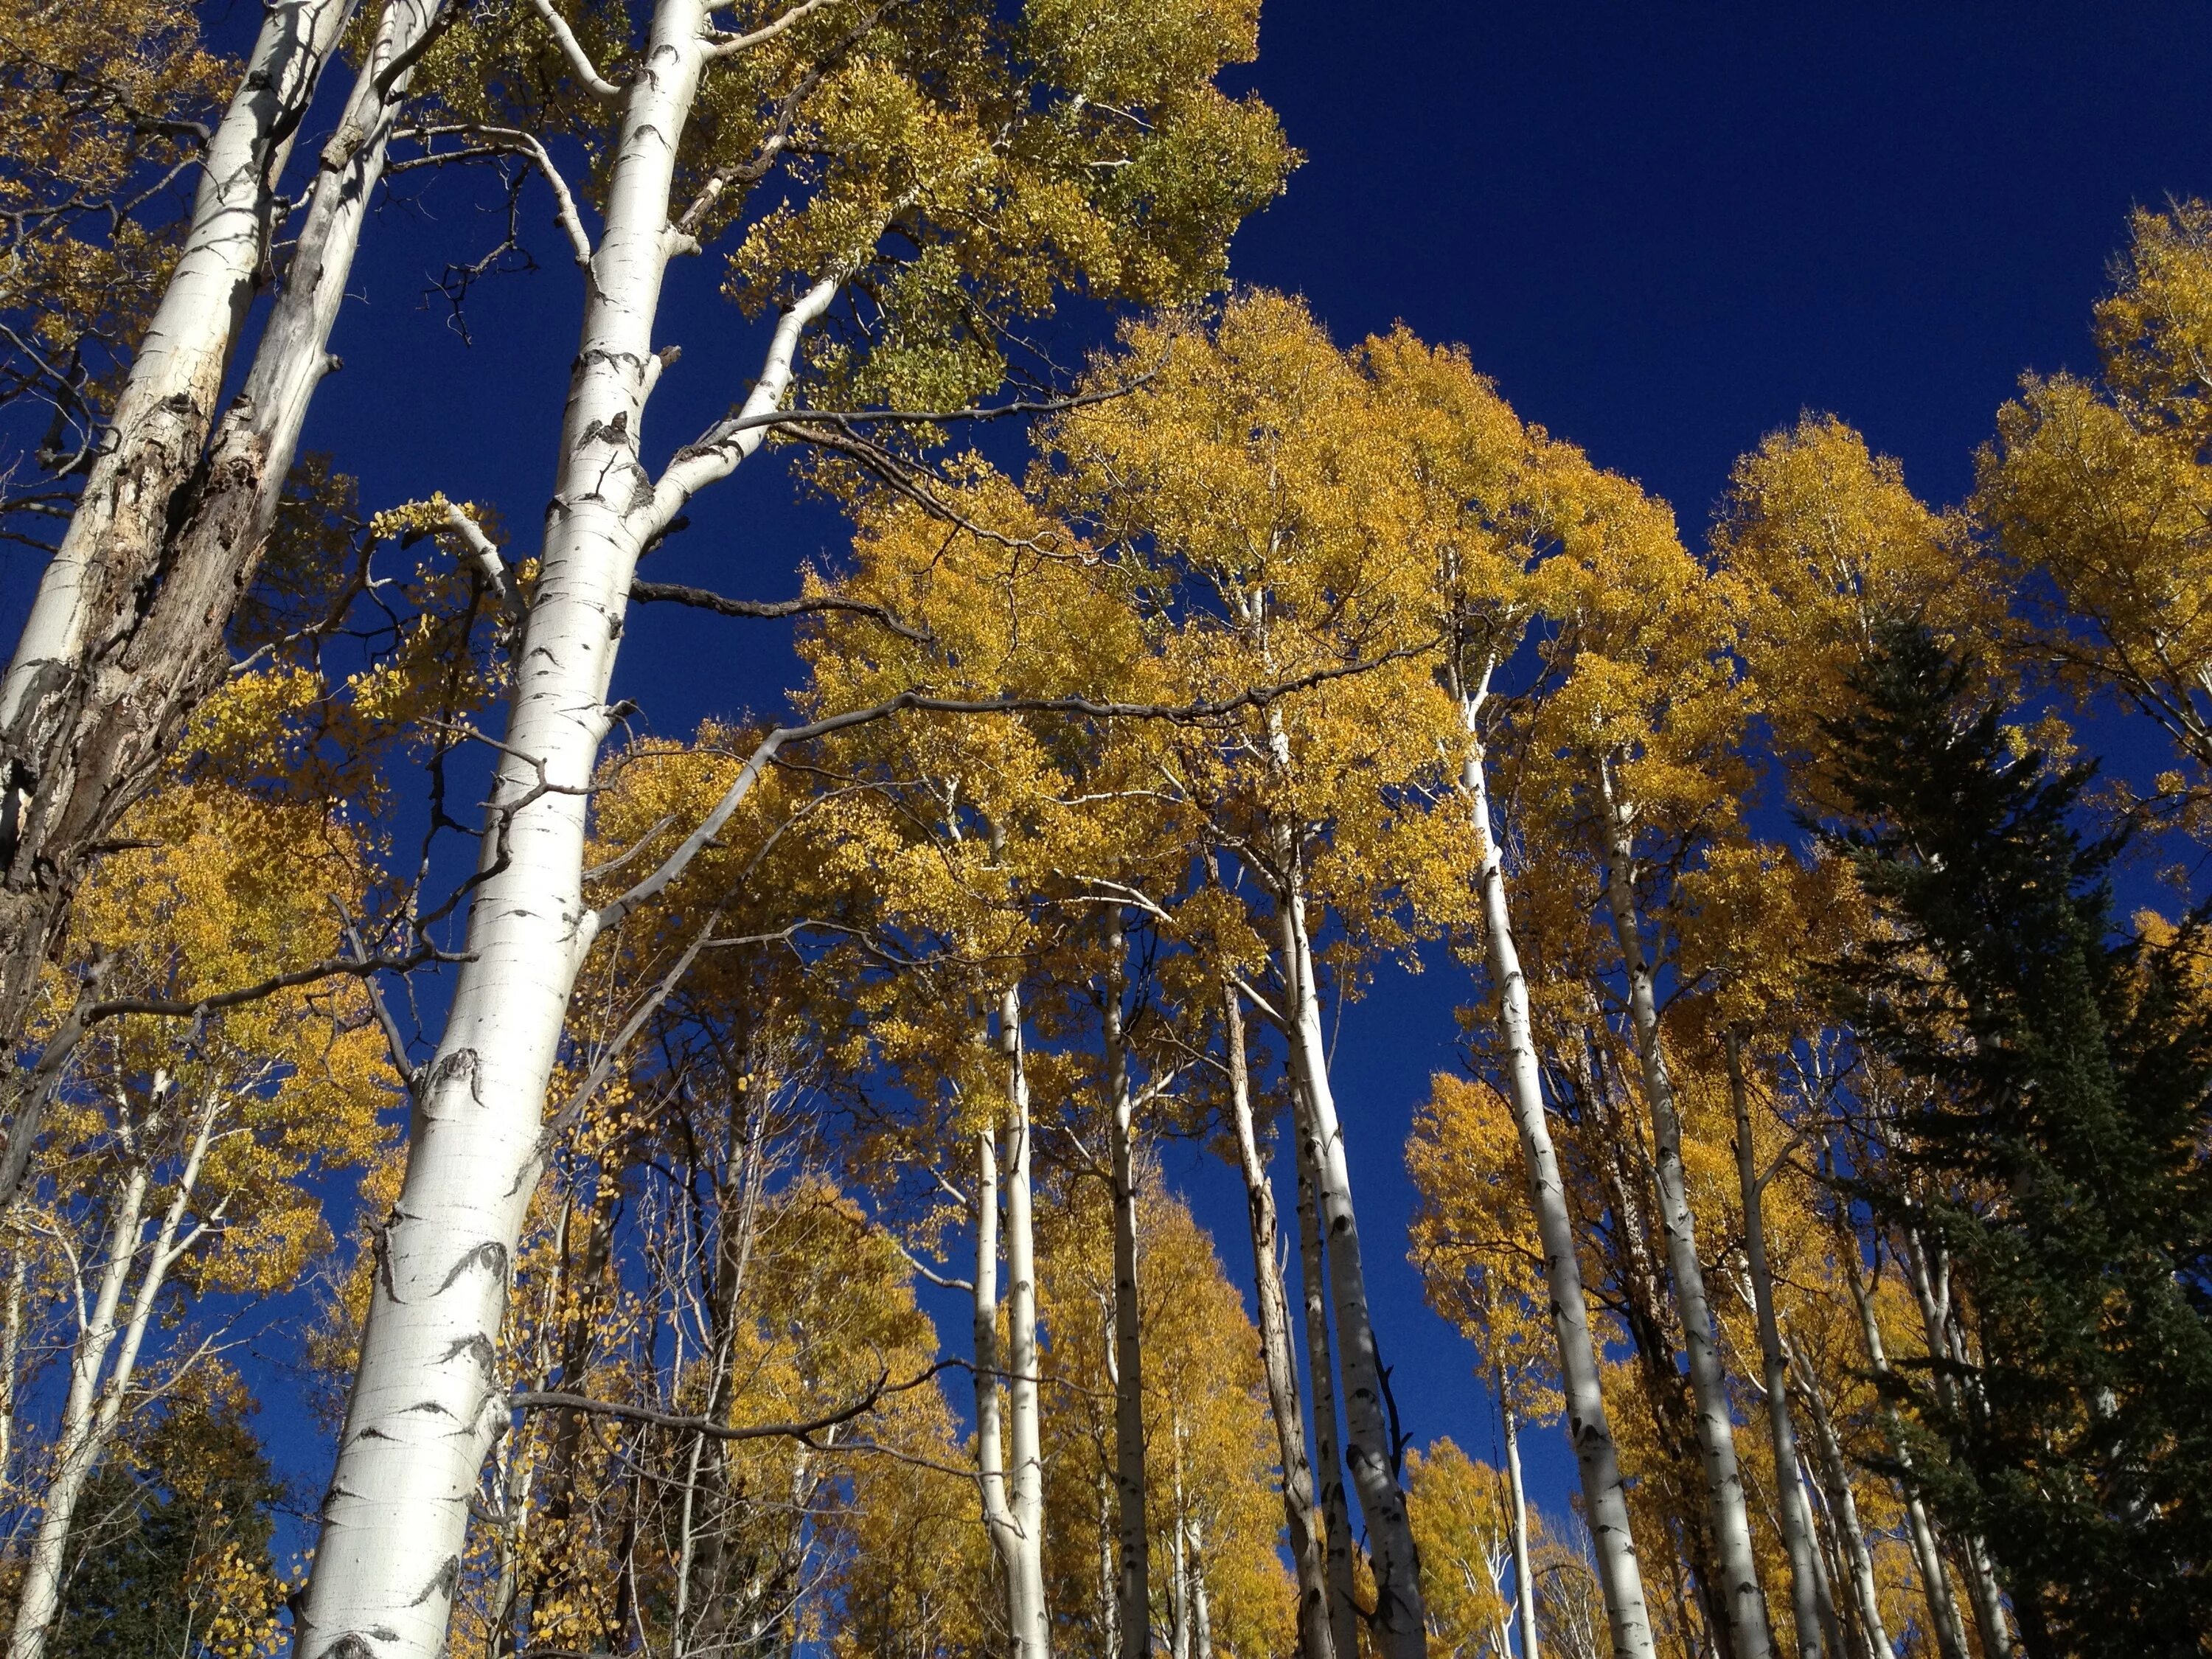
1399, 1623
1723, 1479
97, 1389
426, 1397
1321, 1383
1032, 1629
1936, 1583
1844, 1509
1524, 1578
1794, 1510
1597, 1458
1301, 1517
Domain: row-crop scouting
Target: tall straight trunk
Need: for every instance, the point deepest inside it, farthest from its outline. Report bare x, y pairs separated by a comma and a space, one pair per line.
1301, 1517
94, 1405
1179, 1569
426, 1397
1597, 1458
1110, 1588
1134, 1578
1744, 1607
89, 595
1400, 1622
1025, 1442
1936, 1583
1321, 1383
1516, 1518
1844, 1511
39, 1598
1795, 1512
1931, 1284
1201, 1610
11, 1361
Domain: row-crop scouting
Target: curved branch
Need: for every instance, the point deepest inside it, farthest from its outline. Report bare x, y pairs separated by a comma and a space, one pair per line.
573, 50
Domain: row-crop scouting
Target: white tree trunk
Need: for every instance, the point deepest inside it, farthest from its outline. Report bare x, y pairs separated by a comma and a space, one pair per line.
167, 402
40, 1597
1032, 1628
1301, 1517
1931, 1291
1201, 1611
1724, 1479
1400, 1622
11, 1361
1524, 1578
1844, 1510
426, 1397
1936, 1583
1598, 1460
1321, 1383
1134, 1578
1795, 1512
94, 1404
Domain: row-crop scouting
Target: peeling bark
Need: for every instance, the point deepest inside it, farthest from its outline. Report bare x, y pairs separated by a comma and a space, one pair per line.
125, 634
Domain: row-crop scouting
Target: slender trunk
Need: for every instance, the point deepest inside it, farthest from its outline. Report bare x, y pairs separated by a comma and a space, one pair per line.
1033, 1623
1605, 1500
1844, 1510
1301, 1513
40, 1599
1936, 1583
1746, 1608
1400, 1622
1794, 1512
1930, 1284
426, 1397
1524, 1579
1110, 1588
1320, 1382
1201, 1613
999, 1520
88, 597
1179, 1572
87, 1428
11, 1361
1135, 1578
1824, 1588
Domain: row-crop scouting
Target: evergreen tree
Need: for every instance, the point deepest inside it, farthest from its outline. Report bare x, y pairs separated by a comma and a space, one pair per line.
173, 1557
2054, 1138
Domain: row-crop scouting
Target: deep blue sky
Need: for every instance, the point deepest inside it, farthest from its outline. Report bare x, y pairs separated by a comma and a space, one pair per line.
1663, 229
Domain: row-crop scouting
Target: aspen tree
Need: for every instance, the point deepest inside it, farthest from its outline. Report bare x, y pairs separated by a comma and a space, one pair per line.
208, 1143
2097, 485
126, 635
1237, 464
1826, 547
1644, 712
1487, 505
905, 152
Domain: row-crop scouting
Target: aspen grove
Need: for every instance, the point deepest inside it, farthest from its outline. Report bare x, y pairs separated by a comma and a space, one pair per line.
738, 1189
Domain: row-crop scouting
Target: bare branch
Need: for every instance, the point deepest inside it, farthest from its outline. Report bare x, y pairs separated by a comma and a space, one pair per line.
700, 598
573, 50
556, 1399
